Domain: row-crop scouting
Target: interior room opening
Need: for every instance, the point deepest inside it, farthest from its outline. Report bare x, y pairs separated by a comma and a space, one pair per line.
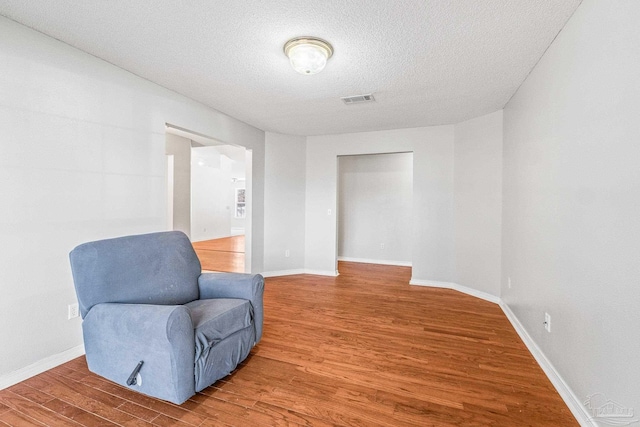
375, 204
208, 197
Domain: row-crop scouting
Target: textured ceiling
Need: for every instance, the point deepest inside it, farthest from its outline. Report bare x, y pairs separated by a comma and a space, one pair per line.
427, 62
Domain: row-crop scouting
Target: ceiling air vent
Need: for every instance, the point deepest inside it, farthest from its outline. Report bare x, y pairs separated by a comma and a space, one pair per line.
358, 99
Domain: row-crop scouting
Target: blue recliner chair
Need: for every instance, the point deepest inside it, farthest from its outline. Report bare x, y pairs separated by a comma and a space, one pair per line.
153, 322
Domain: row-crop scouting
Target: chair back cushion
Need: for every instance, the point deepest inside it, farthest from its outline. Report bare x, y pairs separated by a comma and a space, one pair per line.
157, 268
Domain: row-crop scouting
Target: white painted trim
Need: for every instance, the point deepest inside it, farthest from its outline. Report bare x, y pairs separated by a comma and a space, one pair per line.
300, 271
464, 289
322, 273
376, 261
40, 366
290, 272
283, 273
573, 402
237, 231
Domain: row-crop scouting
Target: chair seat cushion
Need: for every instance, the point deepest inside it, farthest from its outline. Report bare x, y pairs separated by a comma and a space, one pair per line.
215, 319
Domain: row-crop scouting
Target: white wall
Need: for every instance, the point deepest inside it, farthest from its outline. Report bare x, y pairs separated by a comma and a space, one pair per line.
180, 149
375, 208
432, 241
478, 203
284, 203
83, 158
571, 218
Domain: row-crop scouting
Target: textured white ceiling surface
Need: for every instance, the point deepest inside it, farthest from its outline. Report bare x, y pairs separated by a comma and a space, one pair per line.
427, 62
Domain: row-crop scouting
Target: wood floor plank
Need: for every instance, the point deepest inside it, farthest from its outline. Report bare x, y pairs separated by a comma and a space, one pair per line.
35, 411
360, 349
163, 408
225, 254
287, 416
87, 391
50, 384
138, 411
30, 393
224, 244
18, 419
165, 421
76, 414
232, 262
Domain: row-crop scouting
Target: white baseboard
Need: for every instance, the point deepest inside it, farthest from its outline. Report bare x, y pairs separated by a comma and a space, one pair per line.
464, 289
573, 402
283, 273
237, 231
40, 366
376, 261
300, 271
322, 273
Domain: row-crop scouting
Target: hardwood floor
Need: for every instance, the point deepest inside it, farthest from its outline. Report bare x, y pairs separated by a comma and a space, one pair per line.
362, 349
226, 254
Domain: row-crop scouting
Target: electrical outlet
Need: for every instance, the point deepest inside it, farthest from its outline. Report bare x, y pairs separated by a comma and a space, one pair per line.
547, 322
509, 282
287, 253
328, 211
381, 245
73, 311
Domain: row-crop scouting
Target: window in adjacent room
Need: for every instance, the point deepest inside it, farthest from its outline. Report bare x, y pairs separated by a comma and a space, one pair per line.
240, 203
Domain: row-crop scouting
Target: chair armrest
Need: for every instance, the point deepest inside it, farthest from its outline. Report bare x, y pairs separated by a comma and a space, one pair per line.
118, 336
236, 285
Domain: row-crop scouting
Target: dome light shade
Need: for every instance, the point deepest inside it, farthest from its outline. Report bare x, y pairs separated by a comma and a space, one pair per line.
308, 55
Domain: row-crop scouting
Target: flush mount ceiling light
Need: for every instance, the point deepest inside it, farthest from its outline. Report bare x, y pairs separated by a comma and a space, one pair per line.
308, 55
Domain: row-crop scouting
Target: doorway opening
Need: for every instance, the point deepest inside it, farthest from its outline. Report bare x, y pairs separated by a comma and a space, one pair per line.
375, 208
209, 198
